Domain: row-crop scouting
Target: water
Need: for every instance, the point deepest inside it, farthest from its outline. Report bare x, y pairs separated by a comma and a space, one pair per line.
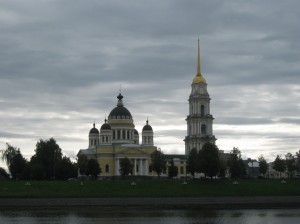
116, 215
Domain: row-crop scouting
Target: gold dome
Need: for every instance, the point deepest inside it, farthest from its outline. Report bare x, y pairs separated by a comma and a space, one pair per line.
199, 79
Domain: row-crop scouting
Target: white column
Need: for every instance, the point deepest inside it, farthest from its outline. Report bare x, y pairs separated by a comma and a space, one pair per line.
140, 167
134, 171
117, 172
146, 167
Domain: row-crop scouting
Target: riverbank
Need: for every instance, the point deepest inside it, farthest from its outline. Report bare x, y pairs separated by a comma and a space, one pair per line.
180, 202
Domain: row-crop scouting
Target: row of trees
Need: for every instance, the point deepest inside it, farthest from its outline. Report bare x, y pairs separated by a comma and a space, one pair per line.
289, 164
47, 163
208, 162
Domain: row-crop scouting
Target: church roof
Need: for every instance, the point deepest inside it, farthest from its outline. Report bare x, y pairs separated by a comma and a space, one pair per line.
120, 112
147, 127
105, 126
94, 130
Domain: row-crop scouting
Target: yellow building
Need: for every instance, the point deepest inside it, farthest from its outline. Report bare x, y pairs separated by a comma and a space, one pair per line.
118, 139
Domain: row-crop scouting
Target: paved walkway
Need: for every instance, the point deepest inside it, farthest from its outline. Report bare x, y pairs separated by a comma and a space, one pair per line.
182, 202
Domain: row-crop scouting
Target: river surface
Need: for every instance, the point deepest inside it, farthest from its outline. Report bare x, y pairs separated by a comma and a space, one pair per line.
116, 215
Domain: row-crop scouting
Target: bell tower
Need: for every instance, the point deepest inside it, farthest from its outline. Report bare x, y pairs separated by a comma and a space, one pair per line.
199, 120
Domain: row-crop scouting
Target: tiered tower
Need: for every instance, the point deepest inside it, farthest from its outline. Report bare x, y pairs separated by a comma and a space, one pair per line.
199, 120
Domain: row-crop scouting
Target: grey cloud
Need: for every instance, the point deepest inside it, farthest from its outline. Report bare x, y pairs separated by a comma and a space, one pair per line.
61, 65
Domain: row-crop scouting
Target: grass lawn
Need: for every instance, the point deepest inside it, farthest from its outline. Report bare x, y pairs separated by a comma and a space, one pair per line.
149, 188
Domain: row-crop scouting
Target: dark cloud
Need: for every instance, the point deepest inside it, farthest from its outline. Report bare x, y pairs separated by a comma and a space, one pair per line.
61, 65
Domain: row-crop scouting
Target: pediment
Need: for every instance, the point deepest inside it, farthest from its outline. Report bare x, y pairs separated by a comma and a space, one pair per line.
132, 151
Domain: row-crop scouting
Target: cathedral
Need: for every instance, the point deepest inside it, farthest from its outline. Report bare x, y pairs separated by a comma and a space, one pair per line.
117, 137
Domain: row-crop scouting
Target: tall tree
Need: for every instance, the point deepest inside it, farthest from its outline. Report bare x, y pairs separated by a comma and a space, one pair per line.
298, 161
279, 165
236, 165
65, 169
17, 165
192, 162
223, 167
173, 170
8, 154
263, 165
3, 174
82, 162
47, 154
210, 160
158, 162
14, 160
93, 168
290, 162
126, 167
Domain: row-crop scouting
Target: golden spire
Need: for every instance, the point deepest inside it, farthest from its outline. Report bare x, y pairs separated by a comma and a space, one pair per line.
198, 61
199, 78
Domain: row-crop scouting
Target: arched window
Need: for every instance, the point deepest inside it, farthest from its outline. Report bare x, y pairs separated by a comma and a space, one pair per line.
106, 168
202, 110
203, 129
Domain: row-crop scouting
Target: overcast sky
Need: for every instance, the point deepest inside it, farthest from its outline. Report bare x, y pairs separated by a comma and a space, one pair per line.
62, 63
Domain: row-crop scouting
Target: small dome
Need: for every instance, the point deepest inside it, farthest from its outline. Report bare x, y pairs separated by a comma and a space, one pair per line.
199, 79
147, 127
120, 112
94, 130
136, 132
105, 126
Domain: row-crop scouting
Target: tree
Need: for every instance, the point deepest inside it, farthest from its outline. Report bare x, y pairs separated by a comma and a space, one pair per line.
14, 160
173, 170
93, 168
82, 162
37, 171
279, 165
290, 162
65, 169
126, 167
8, 154
47, 154
298, 161
223, 167
3, 174
158, 162
263, 165
210, 160
236, 165
192, 162
17, 165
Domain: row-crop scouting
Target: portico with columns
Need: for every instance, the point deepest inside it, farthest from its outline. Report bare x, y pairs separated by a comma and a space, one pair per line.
140, 166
